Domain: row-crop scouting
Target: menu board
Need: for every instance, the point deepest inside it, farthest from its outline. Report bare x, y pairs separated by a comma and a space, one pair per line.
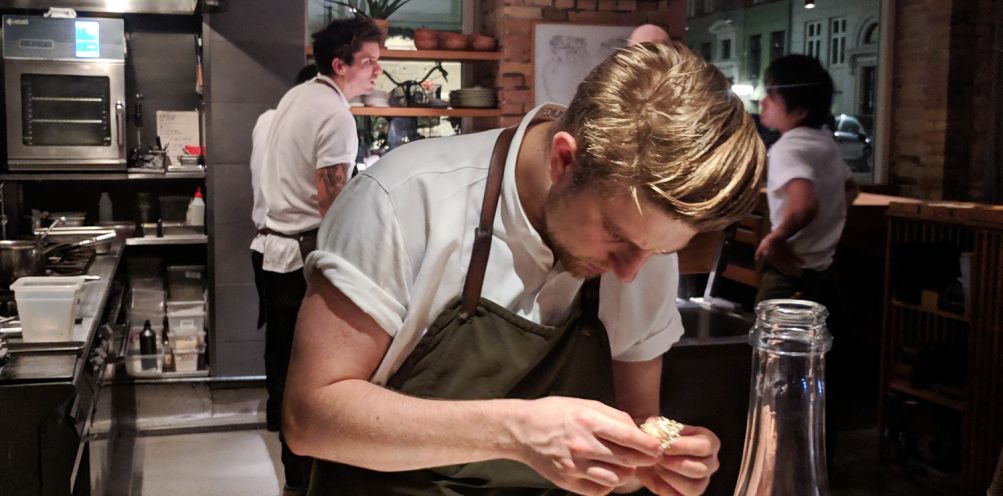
177, 129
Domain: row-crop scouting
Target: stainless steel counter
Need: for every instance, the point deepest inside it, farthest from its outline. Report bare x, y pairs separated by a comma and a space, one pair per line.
32, 362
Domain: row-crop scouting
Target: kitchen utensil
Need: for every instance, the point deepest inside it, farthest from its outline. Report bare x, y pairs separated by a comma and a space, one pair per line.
20, 258
41, 239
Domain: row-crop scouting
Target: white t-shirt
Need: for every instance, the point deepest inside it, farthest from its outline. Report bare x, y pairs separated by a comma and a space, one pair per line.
403, 255
257, 151
312, 128
812, 154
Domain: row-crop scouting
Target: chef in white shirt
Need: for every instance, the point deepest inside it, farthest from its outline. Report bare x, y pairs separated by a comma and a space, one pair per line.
306, 158
492, 318
258, 135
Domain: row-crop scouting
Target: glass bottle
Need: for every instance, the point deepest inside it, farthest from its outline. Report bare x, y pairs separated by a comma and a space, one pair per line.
785, 433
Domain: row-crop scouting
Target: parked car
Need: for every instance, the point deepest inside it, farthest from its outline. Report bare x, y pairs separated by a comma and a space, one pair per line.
853, 134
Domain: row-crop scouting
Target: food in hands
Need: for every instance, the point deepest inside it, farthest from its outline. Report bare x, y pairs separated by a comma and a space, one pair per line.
664, 429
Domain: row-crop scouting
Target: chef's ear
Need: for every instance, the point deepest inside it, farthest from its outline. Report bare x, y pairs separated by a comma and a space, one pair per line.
338, 67
562, 157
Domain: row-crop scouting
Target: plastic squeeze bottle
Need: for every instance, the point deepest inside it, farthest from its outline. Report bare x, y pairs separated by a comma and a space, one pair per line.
196, 209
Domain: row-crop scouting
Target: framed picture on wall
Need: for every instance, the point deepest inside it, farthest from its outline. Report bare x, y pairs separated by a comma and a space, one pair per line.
563, 54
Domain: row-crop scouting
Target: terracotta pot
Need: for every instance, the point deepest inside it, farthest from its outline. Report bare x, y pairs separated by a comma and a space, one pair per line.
482, 42
384, 26
425, 33
454, 41
426, 43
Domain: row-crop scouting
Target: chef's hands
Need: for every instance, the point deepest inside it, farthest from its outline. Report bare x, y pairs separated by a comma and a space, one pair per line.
685, 468
583, 446
778, 253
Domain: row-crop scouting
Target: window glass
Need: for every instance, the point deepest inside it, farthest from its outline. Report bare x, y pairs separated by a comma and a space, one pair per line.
843, 35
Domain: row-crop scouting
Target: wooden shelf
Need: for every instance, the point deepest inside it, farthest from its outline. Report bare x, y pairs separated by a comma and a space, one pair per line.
444, 55
931, 311
901, 385
424, 112
447, 55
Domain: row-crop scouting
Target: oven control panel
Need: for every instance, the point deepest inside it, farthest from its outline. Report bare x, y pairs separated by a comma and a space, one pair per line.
46, 38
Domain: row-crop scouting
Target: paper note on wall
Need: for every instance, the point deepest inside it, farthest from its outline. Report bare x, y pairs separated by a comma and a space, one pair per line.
177, 129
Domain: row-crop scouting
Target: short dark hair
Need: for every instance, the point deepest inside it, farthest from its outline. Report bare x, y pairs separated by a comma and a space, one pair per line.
306, 73
342, 39
802, 83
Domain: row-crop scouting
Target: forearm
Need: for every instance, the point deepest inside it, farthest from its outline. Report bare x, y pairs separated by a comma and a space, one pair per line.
794, 220
362, 424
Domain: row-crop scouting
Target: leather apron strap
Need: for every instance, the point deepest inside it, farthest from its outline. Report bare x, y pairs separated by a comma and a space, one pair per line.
485, 229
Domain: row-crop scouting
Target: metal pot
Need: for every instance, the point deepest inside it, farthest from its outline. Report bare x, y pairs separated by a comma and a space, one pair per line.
19, 258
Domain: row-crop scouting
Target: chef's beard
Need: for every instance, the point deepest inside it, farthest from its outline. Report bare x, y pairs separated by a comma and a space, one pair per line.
580, 267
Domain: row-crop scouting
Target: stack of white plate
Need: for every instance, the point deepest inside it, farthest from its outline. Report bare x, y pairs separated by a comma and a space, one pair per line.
473, 98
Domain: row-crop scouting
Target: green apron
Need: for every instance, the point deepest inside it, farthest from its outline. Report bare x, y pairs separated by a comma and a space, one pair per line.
476, 349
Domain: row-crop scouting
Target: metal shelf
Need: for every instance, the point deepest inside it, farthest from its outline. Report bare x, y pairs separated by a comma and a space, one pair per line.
97, 176
194, 239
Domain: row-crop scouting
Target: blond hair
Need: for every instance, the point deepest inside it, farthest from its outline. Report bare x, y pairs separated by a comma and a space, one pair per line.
663, 122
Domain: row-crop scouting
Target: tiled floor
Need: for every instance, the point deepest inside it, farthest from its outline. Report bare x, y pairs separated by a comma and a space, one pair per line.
232, 463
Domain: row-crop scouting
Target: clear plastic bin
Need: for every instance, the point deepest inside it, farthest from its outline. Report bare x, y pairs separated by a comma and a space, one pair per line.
188, 360
186, 314
186, 282
47, 307
138, 365
146, 283
147, 300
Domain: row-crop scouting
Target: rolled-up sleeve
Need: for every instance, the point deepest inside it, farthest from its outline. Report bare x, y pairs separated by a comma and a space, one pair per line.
360, 250
641, 317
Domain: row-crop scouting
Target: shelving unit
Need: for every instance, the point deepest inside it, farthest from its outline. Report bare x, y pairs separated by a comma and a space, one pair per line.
432, 55
946, 347
98, 176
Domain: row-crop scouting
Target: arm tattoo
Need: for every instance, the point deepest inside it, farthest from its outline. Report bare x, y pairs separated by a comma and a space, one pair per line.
334, 178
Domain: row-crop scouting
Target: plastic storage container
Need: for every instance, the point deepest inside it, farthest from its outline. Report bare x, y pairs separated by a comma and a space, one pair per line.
185, 314
47, 307
188, 360
185, 282
146, 304
139, 365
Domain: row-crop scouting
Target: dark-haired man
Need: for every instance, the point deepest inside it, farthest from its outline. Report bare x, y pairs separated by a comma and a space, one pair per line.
307, 157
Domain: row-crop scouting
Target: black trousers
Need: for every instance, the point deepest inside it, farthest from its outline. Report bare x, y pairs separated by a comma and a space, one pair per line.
282, 295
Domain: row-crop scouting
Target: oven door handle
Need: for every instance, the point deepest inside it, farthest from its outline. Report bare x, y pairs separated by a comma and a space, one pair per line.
120, 123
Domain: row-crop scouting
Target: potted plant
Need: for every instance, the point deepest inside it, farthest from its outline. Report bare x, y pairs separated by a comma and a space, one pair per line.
377, 10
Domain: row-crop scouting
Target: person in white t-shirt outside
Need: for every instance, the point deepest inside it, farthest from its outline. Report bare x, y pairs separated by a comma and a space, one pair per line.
306, 159
808, 186
424, 364
258, 135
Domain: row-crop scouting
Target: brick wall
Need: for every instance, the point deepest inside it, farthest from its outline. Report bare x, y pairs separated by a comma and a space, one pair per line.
919, 97
511, 21
940, 78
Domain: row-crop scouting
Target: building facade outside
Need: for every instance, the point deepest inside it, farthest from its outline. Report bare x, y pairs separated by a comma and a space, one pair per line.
741, 37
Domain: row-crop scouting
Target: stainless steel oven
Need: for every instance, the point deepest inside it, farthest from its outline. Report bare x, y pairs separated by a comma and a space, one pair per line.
65, 93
